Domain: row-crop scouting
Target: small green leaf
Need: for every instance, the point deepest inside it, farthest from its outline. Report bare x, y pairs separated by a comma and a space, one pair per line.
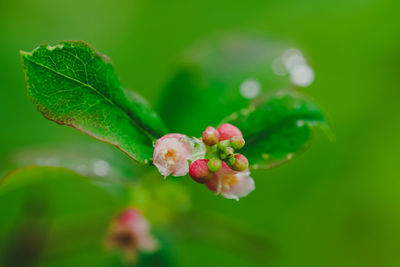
72, 84
277, 126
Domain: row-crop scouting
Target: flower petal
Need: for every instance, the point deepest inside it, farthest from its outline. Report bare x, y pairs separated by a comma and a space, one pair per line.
245, 184
171, 155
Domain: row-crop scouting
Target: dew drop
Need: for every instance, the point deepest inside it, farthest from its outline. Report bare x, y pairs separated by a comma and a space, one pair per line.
302, 75
101, 168
250, 88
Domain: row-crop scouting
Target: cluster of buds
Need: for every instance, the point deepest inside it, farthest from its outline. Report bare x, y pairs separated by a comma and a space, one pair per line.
130, 234
216, 165
221, 144
222, 170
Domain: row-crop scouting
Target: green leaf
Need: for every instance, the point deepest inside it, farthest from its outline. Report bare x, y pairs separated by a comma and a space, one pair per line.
277, 126
72, 84
84, 157
206, 86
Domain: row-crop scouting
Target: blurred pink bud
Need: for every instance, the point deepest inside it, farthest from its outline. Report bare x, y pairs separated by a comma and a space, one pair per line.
237, 142
199, 171
210, 136
130, 233
240, 163
227, 131
171, 155
231, 184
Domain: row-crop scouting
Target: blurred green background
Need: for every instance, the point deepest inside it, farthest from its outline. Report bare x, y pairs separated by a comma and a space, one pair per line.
338, 204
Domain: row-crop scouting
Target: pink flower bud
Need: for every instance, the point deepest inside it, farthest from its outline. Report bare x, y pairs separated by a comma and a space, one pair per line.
231, 184
130, 233
227, 131
171, 155
210, 136
237, 142
240, 163
199, 171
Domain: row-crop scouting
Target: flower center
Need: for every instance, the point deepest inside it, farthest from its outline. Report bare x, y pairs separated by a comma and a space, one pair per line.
228, 181
171, 156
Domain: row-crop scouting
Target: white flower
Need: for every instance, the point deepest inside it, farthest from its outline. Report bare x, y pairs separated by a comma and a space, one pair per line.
171, 154
231, 184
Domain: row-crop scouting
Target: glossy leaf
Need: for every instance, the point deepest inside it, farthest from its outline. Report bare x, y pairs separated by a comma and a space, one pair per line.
72, 84
87, 157
277, 126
